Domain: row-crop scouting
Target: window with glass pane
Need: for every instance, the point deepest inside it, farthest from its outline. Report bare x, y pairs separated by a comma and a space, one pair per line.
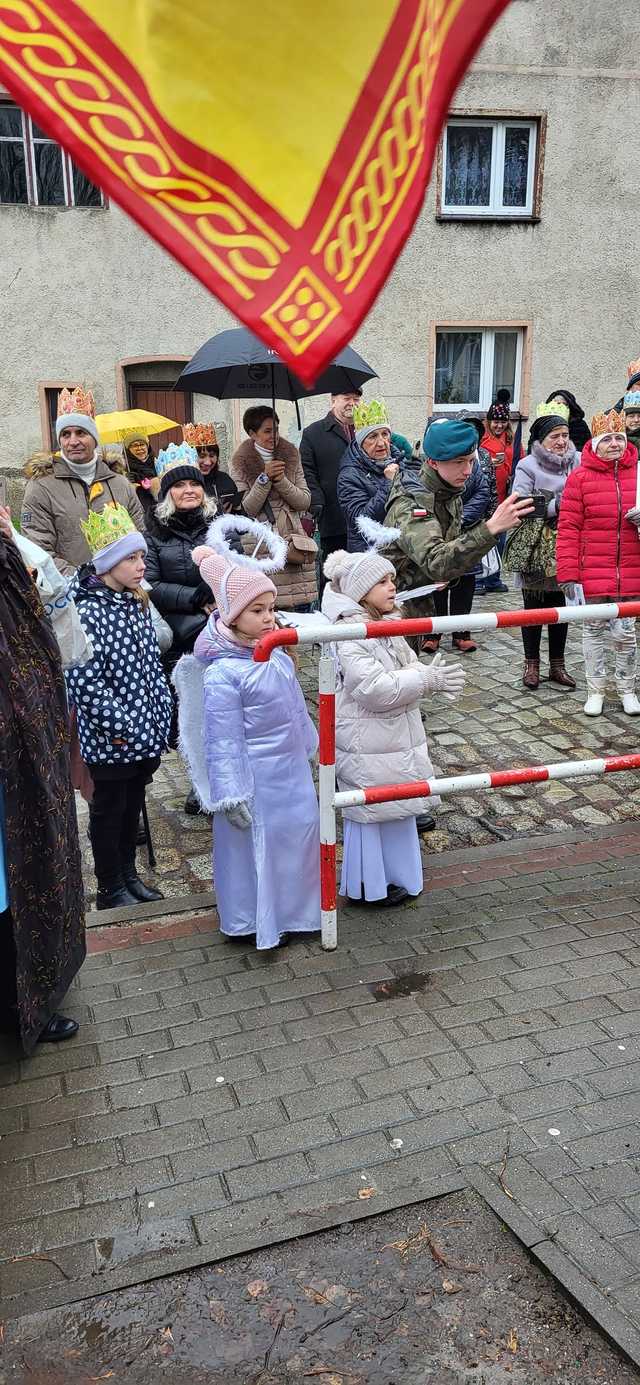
516, 166
505, 354
13, 159
472, 364
489, 167
49, 170
468, 180
458, 361
34, 169
85, 194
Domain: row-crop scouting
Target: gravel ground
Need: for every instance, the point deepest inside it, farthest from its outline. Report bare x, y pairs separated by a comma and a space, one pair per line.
440, 1291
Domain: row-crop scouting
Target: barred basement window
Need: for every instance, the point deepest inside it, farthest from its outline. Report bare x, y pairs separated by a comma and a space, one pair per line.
489, 168
35, 170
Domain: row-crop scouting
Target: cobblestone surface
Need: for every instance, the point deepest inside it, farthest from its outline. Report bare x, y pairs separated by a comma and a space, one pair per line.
218, 1099
496, 725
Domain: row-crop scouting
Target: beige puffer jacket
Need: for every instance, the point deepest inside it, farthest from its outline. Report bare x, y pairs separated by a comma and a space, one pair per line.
288, 499
380, 738
55, 502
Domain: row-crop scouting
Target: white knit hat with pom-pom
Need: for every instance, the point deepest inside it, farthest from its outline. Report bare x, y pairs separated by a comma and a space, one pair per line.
354, 574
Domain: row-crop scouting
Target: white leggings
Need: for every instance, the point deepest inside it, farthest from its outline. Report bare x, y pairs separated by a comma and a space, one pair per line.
621, 634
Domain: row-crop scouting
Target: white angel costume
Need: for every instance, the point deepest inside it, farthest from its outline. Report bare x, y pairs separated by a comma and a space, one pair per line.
248, 740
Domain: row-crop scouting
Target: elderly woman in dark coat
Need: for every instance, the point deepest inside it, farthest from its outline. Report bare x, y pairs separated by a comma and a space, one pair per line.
42, 941
370, 463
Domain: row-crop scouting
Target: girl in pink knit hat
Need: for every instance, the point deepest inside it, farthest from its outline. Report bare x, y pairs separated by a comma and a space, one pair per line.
248, 740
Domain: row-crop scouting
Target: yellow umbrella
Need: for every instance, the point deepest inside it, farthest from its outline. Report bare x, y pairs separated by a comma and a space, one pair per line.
117, 426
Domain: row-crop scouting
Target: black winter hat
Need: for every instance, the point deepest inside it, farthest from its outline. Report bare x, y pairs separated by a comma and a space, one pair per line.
541, 427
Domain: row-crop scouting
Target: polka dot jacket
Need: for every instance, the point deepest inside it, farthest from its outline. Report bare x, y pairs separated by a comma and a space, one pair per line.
122, 693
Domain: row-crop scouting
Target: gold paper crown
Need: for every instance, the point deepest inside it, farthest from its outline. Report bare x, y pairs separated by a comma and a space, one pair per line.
200, 434
633, 368
77, 401
369, 412
553, 410
613, 422
102, 529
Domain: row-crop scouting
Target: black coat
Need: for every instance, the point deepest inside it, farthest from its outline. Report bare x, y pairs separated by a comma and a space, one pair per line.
363, 489
322, 447
177, 590
219, 485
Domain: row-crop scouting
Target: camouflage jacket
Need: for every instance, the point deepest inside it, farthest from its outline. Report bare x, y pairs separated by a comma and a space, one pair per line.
432, 547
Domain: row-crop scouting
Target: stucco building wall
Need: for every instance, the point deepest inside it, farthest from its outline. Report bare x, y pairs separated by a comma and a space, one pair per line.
84, 289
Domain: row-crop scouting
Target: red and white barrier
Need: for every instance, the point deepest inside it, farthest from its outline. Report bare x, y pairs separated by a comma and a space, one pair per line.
494, 779
323, 633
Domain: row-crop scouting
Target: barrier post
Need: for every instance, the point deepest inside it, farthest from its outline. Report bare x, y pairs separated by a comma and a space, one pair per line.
327, 791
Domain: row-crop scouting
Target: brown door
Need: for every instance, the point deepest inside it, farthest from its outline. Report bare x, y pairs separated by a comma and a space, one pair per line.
162, 399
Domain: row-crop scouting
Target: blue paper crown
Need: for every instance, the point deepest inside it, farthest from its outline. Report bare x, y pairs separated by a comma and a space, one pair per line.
632, 400
182, 455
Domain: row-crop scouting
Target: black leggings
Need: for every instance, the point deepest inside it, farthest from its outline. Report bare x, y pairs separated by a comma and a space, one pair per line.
456, 600
113, 822
532, 634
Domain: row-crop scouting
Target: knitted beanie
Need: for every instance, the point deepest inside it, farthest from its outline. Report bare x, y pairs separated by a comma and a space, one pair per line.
545, 424
234, 585
498, 412
72, 420
354, 574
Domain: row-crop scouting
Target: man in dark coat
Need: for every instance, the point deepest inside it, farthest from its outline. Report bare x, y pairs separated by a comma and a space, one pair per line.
42, 940
322, 447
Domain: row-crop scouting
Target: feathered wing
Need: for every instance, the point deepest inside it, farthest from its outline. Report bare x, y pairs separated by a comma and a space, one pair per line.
188, 681
377, 535
265, 536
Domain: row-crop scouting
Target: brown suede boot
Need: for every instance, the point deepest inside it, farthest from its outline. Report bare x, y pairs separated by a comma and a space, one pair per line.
558, 674
531, 675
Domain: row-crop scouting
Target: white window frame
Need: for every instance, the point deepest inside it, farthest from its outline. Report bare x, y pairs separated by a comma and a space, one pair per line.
496, 207
29, 141
487, 357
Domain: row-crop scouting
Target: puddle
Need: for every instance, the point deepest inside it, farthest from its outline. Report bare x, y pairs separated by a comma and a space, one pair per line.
412, 983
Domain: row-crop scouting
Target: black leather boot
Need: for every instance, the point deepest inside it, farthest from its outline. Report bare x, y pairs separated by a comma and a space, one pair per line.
116, 896
145, 894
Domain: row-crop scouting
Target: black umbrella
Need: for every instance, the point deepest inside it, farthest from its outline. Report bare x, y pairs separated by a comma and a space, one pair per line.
235, 365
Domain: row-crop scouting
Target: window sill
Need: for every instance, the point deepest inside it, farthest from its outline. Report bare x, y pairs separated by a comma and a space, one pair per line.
478, 218
49, 207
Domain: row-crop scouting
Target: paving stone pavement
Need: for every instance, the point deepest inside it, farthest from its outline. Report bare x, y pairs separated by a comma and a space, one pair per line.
496, 725
217, 1099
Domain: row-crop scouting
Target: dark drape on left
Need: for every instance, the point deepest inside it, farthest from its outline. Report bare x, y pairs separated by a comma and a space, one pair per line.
40, 832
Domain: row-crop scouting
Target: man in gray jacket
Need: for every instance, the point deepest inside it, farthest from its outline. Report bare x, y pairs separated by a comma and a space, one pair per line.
61, 490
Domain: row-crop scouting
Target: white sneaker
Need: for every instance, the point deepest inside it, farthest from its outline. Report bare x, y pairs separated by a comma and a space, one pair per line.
631, 705
594, 703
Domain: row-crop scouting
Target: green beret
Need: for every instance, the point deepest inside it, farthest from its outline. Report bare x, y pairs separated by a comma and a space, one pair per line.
446, 439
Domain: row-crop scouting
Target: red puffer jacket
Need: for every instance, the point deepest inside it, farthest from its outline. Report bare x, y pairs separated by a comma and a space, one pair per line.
596, 545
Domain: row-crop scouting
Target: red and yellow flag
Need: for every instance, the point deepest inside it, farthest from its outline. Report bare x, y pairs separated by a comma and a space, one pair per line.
279, 149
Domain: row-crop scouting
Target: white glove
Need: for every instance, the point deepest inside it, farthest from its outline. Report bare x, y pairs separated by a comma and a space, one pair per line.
634, 515
448, 679
239, 816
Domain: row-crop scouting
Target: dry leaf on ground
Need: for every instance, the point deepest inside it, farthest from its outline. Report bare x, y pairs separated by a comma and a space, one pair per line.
450, 1286
364, 1193
255, 1287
